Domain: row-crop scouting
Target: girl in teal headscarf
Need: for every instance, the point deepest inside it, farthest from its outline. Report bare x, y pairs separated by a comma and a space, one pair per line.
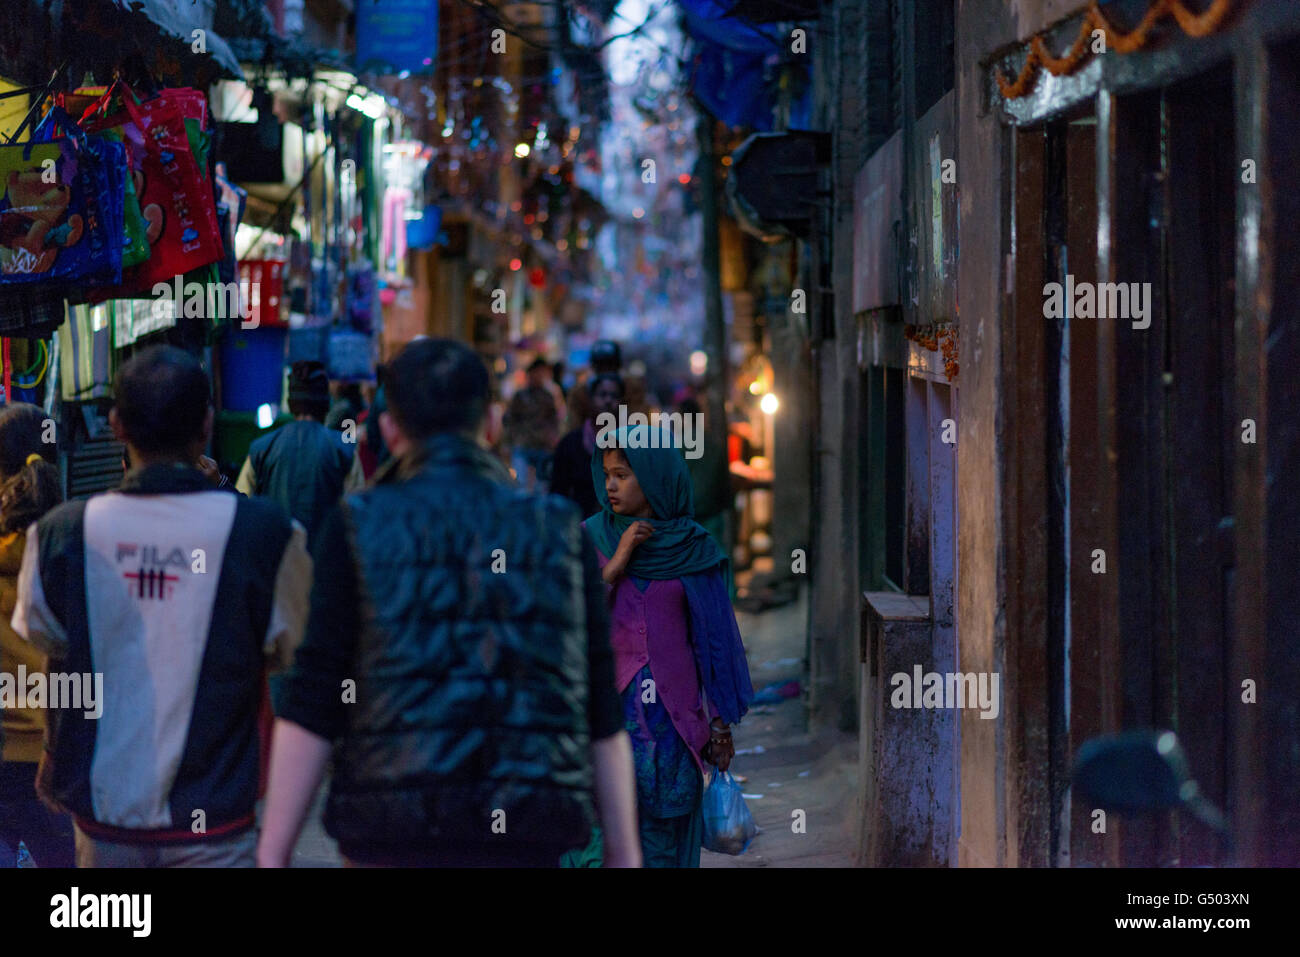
674, 636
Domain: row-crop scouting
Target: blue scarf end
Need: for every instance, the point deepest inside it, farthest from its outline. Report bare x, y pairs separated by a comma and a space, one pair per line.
719, 650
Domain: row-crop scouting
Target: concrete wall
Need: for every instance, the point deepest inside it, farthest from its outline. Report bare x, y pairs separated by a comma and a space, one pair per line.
987, 820
1027, 17
835, 598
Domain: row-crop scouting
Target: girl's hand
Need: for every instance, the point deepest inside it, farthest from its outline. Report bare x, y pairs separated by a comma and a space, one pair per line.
636, 533
720, 749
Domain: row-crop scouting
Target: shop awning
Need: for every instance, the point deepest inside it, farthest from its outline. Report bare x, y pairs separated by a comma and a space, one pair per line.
738, 67
178, 19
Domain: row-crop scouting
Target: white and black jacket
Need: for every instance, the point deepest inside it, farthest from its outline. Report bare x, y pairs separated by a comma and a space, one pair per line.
180, 595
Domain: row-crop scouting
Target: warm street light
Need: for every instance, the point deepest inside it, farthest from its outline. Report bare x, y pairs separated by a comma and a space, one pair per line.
769, 403
522, 150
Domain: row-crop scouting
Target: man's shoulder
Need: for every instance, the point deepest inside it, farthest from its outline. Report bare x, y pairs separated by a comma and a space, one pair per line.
63, 517
62, 528
260, 444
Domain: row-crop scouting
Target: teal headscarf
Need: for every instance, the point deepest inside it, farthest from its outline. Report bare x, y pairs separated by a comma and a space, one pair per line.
680, 545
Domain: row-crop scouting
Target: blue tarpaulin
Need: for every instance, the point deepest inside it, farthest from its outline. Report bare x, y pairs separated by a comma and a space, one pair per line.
738, 67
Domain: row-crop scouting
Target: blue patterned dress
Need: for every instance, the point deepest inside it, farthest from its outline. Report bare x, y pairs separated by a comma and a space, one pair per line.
668, 783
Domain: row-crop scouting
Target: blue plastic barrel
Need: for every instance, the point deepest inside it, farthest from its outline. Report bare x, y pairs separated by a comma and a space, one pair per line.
252, 367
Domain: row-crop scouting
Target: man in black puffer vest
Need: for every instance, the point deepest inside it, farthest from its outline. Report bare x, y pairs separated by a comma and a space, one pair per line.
457, 657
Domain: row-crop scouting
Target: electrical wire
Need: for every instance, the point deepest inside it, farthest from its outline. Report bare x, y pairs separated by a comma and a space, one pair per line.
44, 361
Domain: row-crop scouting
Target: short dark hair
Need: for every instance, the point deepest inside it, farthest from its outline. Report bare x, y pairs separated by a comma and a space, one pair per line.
309, 389
436, 385
22, 428
613, 377
162, 397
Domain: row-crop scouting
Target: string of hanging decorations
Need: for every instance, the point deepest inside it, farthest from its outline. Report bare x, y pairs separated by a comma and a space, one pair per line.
1192, 24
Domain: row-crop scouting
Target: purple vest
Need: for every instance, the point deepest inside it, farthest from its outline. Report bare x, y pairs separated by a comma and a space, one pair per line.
651, 627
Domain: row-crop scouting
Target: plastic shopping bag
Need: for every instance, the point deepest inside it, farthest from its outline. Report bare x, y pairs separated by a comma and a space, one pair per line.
136, 248
728, 826
176, 200
61, 211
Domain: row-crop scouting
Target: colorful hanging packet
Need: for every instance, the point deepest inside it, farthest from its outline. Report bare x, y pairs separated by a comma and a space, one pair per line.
111, 155
88, 103
175, 199
193, 108
61, 211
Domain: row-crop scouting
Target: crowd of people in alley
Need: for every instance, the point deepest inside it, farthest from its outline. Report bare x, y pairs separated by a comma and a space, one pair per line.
500, 641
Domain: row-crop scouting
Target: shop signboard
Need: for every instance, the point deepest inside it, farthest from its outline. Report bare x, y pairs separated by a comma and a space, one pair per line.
397, 36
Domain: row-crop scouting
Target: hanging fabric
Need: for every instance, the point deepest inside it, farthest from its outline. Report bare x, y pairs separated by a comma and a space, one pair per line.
133, 319
86, 354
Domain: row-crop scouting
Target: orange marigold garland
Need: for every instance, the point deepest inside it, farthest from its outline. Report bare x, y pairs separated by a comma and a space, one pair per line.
1193, 24
939, 337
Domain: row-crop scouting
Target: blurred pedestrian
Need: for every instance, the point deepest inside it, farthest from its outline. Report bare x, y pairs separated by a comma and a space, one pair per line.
480, 679
303, 466
176, 597
605, 359
346, 407
571, 470
679, 660
372, 451
541, 375
531, 431
29, 487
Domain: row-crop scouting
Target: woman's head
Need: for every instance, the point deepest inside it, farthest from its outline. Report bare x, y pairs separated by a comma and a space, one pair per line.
622, 488
606, 393
22, 427
29, 482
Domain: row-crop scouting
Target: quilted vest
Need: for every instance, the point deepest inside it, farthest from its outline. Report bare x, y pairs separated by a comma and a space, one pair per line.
470, 722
